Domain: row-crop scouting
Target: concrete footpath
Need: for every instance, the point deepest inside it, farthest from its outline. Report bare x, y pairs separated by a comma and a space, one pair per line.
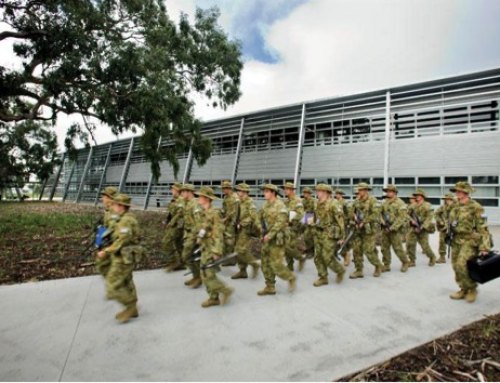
65, 329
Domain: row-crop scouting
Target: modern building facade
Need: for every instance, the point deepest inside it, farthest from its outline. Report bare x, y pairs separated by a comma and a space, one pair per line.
428, 135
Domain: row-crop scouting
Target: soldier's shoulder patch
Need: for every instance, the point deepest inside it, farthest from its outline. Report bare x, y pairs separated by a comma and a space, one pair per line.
124, 230
283, 210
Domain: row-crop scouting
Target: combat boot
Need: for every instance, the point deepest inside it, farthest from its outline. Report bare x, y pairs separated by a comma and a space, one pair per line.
471, 296
347, 259
432, 261
129, 312
242, 274
196, 283
404, 267
189, 281
226, 294
255, 270
460, 294
210, 302
386, 268
378, 271
320, 282
412, 264
268, 290
356, 274
292, 284
340, 277
441, 259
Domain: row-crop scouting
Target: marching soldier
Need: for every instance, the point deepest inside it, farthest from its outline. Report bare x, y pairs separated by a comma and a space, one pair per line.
295, 214
364, 218
274, 217
421, 225
470, 237
191, 216
103, 264
442, 215
210, 238
393, 221
172, 241
309, 203
339, 196
124, 252
328, 232
230, 213
247, 228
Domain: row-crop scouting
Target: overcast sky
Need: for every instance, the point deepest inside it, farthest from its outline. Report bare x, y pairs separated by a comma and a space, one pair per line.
299, 50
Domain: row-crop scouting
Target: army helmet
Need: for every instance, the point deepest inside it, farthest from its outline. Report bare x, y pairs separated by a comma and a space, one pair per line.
110, 191
243, 187
226, 185
324, 187
363, 186
206, 191
289, 185
421, 192
177, 186
448, 196
390, 187
462, 186
188, 187
339, 191
122, 199
306, 190
271, 187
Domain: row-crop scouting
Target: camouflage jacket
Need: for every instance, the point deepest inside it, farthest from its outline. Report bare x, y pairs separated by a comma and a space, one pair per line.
441, 215
394, 213
424, 214
175, 212
110, 218
309, 204
229, 212
329, 219
248, 215
211, 242
273, 217
370, 213
191, 217
294, 205
468, 224
125, 233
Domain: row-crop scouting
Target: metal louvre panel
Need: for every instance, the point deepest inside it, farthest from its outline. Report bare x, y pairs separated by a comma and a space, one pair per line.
113, 174
216, 168
167, 172
267, 164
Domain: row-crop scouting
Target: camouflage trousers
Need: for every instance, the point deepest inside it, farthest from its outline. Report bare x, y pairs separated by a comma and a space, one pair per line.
442, 244
272, 259
119, 282
292, 249
309, 240
229, 239
243, 248
365, 244
102, 265
172, 245
411, 245
213, 285
461, 252
187, 254
324, 258
394, 240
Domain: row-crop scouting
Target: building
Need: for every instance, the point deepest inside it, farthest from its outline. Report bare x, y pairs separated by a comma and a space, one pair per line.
428, 135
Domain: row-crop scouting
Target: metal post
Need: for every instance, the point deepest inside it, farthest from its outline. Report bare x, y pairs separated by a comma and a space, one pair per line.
66, 187
189, 163
56, 181
150, 183
123, 178
387, 136
43, 188
298, 162
84, 174
103, 175
238, 151
18, 192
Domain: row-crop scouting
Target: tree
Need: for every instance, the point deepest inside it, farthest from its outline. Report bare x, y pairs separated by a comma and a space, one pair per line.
122, 63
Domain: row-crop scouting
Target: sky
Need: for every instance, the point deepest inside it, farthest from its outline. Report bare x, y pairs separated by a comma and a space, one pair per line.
300, 50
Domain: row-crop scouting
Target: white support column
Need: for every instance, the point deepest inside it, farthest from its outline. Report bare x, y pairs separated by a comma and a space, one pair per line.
103, 175
84, 174
189, 163
298, 161
56, 181
238, 151
123, 178
66, 187
150, 183
387, 136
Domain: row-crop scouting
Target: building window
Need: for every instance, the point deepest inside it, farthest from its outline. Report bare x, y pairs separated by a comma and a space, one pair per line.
454, 180
488, 180
429, 180
404, 181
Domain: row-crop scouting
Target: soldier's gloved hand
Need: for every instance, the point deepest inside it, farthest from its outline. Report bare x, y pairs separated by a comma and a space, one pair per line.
101, 254
483, 253
215, 257
266, 238
202, 233
340, 242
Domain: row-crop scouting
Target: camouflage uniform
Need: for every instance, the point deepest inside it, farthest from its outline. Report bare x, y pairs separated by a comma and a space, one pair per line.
441, 216
470, 237
345, 210
172, 241
328, 230
191, 219
309, 208
103, 264
394, 216
210, 237
124, 251
295, 215
230, 206
423, 212
273, 217
364, 240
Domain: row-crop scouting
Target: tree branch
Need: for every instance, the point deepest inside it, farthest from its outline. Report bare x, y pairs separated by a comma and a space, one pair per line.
20, 35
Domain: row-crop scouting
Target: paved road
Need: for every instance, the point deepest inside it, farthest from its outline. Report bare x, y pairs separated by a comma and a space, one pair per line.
65, 329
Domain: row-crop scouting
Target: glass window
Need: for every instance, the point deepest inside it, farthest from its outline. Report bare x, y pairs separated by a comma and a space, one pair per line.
485, 179
344, 181
454, 180
378, 181
429, 180
490, 202
356, 181
405, 181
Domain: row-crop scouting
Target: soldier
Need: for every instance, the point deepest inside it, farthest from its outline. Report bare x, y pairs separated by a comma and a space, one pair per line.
441, 215
191, 218
421, 225
172, 241
309, 207
125, 252
103, 264
295, 214
229, 212
339, 196
364, 218
470, 237
328, 232
393, 221
274, 217
247, 227
210, 237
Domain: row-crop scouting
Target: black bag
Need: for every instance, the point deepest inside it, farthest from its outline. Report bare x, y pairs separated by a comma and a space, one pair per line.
484, 269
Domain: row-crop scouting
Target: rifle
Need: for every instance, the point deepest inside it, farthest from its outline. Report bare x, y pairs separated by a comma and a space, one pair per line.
344, 245
417, 225
386, 223
167, 219
195, 257
358, 218
264, 228
449, 236
237, 220
212, 264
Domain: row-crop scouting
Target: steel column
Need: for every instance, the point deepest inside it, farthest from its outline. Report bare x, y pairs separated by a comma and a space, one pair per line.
189, 163
103, 175
84, 174
56, 181
43, 188
66, 187
150, 183
298, 161
238, 151
387, 136
123, 178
